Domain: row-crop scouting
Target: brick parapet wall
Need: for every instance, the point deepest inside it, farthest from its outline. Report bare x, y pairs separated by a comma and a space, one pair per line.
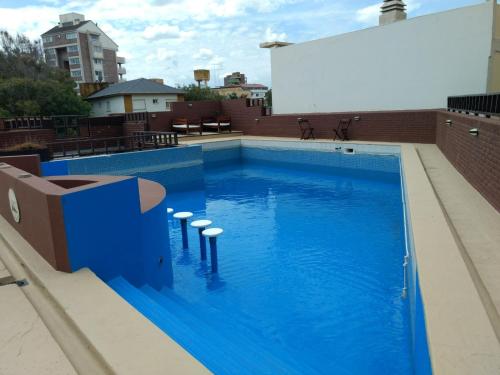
193, 111
393, 126
10, 138
476, 158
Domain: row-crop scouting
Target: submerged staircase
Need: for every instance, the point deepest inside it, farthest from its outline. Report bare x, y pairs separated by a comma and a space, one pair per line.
211, 338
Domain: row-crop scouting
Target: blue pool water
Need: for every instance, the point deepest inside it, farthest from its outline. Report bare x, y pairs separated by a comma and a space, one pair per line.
310, 273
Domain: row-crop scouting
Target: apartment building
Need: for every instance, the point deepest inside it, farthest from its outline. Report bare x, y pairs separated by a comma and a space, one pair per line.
82, 48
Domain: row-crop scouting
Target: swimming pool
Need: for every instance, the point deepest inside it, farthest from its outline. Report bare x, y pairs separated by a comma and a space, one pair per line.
311, 271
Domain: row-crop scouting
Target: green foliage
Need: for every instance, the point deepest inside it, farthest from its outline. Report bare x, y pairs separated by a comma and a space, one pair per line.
28, 86
268, 99
195, 93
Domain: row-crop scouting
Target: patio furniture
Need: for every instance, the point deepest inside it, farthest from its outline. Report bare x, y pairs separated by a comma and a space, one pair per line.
306, 130
342, 130
181, 124
220, 123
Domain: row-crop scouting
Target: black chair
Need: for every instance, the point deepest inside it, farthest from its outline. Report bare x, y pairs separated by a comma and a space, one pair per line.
306, 130
342, 130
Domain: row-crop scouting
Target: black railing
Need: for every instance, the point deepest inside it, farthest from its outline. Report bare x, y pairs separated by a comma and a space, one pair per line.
94, 146
27, 122
487, 104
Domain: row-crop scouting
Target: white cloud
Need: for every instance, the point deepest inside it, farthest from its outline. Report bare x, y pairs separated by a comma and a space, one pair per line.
204, 54
165, 31
270, 36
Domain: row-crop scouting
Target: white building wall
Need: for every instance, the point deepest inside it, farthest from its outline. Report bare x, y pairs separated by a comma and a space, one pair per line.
413, 64
107, 106
150, 106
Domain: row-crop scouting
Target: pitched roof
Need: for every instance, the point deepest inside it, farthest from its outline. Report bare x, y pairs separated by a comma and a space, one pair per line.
136, 86
59, 29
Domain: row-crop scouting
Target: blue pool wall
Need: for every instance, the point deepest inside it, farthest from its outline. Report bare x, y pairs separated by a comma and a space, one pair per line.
421, 355
175, 168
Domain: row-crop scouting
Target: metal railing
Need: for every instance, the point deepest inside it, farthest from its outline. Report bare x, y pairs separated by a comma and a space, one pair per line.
486, 104
27, 122
136, 142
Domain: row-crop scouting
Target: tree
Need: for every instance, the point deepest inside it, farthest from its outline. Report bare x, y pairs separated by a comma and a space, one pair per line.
195, 93
232, 96
28, 86
268, 98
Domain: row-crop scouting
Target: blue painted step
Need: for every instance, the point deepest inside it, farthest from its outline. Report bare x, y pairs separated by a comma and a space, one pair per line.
212, 349
242, 342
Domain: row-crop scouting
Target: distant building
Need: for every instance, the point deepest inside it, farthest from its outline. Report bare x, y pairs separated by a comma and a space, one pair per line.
403, 64
248, 90
235, 78
138, 95
83, 49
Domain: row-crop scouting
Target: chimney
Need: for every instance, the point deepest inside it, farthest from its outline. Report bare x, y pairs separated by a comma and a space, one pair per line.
392, 11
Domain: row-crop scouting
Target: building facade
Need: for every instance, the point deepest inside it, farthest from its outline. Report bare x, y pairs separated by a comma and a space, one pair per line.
402, 64
235, 78
248, 90
138, 95
84, 50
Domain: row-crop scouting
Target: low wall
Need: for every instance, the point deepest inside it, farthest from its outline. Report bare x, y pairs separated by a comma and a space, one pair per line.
13, 137
390, 126
476, 158
161, 121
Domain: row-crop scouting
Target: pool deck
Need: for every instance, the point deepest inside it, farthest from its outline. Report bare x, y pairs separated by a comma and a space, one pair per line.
85, 327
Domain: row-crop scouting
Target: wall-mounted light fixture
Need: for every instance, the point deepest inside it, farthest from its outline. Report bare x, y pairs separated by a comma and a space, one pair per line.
357, 118
474, 132
190, 105
449, 123
153, 115
257, 120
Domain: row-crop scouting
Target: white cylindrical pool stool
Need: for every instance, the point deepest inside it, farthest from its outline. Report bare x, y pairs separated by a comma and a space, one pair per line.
212, 234
201, 225
183, 216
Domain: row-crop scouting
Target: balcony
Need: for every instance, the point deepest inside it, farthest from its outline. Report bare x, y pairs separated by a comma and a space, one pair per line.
120, 60
122, 70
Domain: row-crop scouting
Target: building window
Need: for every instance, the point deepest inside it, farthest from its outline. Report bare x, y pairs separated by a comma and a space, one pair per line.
108, 106
168, 107
98, 75
155, 101
76, 73
74, 61
94, 38
97, 49
73, 48
48, 39
98, 61
50, 52
71, 36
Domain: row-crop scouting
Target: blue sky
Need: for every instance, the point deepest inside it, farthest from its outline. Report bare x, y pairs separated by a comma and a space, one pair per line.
168, 38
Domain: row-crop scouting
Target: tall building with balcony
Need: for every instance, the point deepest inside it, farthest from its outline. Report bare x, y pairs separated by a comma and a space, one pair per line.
82, 48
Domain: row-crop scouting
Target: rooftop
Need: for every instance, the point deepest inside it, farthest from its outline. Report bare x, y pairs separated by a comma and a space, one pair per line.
135, 86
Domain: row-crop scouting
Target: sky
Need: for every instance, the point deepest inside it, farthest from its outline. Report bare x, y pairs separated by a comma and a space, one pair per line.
169, 38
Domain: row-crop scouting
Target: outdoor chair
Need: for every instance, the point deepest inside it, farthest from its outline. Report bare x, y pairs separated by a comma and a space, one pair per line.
306, 130
220, 123
186, 126
342, 131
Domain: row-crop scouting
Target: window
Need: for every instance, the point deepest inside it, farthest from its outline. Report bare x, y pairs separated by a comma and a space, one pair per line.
98, 61
108, 106
168, 106
98, 75
155, 101
94, 38
48, 39
97, 49
50, 52
76, 73
70, 36
74, 61
73, 48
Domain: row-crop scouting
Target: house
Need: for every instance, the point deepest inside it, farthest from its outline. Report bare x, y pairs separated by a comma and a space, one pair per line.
401, 64
247, 90
138, 95
83, 49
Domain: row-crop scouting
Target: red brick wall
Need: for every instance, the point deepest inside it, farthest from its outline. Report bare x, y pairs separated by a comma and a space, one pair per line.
476, 158
161, 121
13, 137
394, 126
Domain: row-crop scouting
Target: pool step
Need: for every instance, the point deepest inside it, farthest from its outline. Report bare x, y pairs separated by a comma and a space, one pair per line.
218, 352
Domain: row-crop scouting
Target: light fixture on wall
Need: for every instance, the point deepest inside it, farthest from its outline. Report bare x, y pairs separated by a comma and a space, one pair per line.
449, 123
357, 118
190, 105
474, 132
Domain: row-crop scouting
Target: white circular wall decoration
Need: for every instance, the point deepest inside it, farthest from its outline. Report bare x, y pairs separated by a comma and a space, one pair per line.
14, 207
